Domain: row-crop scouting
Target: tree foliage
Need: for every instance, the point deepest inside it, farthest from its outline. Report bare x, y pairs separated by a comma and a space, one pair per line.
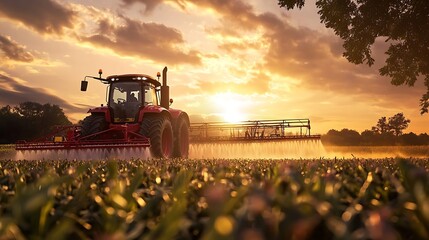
386, 132
370, 138
382, 126
395, 125
346, 137
402, 23
29, 120
398, 123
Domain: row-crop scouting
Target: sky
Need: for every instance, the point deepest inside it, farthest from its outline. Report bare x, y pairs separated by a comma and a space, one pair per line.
228, 60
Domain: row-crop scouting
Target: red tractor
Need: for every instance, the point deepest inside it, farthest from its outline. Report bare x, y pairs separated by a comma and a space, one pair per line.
143, 105
137, 116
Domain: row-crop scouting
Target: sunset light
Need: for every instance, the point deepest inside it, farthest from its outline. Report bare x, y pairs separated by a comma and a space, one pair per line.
214, 119
233, 61
230, 106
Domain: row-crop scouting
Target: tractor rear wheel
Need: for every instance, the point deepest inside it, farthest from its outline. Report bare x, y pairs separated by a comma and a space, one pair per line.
93, 124
160, 132
181, 141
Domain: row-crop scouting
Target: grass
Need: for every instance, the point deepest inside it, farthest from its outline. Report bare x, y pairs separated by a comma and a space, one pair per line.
215, 199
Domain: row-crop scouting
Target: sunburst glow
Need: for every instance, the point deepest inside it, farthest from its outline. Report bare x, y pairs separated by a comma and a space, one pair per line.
231, 106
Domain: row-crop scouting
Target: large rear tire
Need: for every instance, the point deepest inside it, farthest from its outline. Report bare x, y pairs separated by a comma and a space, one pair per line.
181, 141
93, 124
160, 132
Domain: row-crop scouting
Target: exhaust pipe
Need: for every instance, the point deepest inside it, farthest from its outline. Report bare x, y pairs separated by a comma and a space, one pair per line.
165, 90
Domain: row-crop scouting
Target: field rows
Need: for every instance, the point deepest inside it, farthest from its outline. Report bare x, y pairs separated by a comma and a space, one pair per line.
215, 199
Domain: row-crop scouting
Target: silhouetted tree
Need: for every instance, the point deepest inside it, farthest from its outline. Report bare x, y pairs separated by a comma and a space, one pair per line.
29, 120
402, 23
385, 133
10, 125
369, 137
398, 123
350, 137
332, 137
424, 138
411, 139
382, 126
345, 137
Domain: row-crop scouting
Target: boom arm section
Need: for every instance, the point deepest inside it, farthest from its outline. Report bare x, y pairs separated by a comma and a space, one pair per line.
258, 130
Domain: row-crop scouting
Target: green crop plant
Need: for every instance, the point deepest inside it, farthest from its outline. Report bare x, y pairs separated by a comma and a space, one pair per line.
215, 199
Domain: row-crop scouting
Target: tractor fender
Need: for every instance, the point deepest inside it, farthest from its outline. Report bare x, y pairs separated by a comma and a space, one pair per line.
152, 109
101, 111
177, 114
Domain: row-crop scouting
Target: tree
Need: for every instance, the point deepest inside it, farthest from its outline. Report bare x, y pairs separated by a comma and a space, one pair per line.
10, 127
411, 139
369, 137
332, 137
38, 119
395, 125
382, 126
29, 120
402, 23
398, 123
345, 137
350, 137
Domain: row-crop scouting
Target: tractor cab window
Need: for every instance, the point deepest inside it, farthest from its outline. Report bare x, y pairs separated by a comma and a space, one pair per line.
150, 95
125, 92
125, 101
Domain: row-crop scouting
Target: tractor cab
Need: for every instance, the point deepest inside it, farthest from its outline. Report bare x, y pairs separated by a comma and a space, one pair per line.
130, 93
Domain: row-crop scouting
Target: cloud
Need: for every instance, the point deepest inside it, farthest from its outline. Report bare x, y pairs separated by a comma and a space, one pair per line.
199, 118
44, 16
152, 41
258, 84
103, 29
13, 51
238, 13
14, 91
313, 58
149, 4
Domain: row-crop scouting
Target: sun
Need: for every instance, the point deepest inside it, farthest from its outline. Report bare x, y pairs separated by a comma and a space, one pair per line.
233, 116
230, 106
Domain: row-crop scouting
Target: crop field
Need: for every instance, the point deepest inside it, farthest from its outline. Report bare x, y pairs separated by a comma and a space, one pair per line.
377, 151
6, 150
215, 199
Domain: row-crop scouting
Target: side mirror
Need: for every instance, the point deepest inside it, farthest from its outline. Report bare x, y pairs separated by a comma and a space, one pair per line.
83, 85
171, 101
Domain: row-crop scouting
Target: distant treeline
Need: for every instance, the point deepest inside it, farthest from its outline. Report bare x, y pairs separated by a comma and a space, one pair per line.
348, 137
386, 132
28, 121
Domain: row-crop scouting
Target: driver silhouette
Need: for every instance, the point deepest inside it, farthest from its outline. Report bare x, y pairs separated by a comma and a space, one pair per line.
132, 98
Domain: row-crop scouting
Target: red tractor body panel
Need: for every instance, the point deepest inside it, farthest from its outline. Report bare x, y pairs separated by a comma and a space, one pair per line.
150, 109
102, 110
174, 114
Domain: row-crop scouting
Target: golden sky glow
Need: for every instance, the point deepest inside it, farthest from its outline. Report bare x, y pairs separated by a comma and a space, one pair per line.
228, 60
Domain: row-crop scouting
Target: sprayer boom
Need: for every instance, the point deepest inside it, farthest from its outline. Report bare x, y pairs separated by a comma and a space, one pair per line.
68, 138
252, 131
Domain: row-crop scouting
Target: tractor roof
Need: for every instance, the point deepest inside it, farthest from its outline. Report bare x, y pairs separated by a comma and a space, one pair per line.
133, 77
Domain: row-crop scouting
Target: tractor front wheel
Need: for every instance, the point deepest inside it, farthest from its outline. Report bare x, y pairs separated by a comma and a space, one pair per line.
93, 124
160, 132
